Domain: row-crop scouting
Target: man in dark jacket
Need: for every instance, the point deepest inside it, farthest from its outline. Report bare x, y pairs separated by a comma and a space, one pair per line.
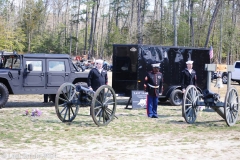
97, 76
153, 85
189, 76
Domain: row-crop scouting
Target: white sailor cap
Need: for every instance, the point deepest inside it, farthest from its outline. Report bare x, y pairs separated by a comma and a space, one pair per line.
189, 62
99, 61
156, 65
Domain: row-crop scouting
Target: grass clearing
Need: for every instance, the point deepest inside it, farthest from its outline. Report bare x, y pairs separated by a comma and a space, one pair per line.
128, 137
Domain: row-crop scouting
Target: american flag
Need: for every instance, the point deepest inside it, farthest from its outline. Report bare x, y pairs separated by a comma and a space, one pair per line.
211, 52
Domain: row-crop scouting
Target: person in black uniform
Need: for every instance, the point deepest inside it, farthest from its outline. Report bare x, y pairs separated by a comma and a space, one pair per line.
189, 76
153, 85
97, 76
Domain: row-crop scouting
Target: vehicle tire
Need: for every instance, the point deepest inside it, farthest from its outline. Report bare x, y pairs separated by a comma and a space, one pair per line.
52, 98
176, 97
224, 78
162, 99
4, 94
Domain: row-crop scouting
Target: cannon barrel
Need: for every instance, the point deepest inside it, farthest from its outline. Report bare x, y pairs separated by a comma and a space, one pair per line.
210, 97
84, 89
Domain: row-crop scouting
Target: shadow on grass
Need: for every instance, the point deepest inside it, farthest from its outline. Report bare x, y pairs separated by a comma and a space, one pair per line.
76, 123
28, 104
204, 123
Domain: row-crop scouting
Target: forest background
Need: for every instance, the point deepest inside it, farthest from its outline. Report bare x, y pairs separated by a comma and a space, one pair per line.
79, 27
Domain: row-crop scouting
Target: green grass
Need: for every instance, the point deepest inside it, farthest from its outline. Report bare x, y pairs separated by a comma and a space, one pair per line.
132, 126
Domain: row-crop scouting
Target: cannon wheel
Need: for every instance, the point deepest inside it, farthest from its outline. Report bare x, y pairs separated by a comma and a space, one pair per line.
103, 105
65, 108
231, 106
189, 107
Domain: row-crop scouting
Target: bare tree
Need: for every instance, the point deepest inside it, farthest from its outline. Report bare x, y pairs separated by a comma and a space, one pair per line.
174, 24
139, 21
86, 29
191, 22
93, 24
214, 16
66, 22
161, 21
77, 26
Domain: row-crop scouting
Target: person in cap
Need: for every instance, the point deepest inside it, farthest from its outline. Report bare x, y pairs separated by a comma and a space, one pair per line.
153, 85
97, 76
189, 76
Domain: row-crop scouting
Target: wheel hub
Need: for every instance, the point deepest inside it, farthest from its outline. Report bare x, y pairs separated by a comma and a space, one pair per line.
231, 107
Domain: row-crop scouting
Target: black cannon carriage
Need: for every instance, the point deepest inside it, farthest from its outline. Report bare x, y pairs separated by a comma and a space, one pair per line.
70, 97
193, 99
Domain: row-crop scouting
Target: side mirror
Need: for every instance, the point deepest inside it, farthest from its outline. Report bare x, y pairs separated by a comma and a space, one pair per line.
30, 67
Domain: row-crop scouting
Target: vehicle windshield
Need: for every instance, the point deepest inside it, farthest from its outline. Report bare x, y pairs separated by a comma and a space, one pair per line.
10, 62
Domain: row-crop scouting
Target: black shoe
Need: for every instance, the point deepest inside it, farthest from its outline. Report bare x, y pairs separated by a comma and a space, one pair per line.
154, 116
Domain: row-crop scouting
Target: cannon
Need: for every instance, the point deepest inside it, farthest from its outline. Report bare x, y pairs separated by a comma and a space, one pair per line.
70, 97
194, 98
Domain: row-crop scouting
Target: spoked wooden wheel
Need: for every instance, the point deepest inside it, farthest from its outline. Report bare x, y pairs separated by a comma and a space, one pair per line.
231, 106
189, 107
66, 102
103, 105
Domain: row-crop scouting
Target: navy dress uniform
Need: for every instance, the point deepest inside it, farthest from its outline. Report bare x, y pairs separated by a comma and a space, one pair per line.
97, 76
153, 85
189, 76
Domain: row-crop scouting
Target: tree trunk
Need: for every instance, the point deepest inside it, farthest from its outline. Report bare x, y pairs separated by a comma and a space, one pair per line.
221, 28
101, 40
191, 24
139, 30
142, 18
131, 20
214, 16
174, 24
90, 41
86, 30
95, 24
161, 36
66, 21
77, 30
200, 22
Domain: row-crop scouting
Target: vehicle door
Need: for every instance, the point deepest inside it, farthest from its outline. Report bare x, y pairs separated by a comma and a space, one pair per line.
12, 66
36, 77
236, 72
58, 72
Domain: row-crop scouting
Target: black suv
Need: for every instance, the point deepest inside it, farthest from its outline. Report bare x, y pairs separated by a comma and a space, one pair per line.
36, 74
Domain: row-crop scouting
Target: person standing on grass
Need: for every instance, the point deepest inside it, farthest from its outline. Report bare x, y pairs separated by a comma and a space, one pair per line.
189, 76
153, 85
97, 76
